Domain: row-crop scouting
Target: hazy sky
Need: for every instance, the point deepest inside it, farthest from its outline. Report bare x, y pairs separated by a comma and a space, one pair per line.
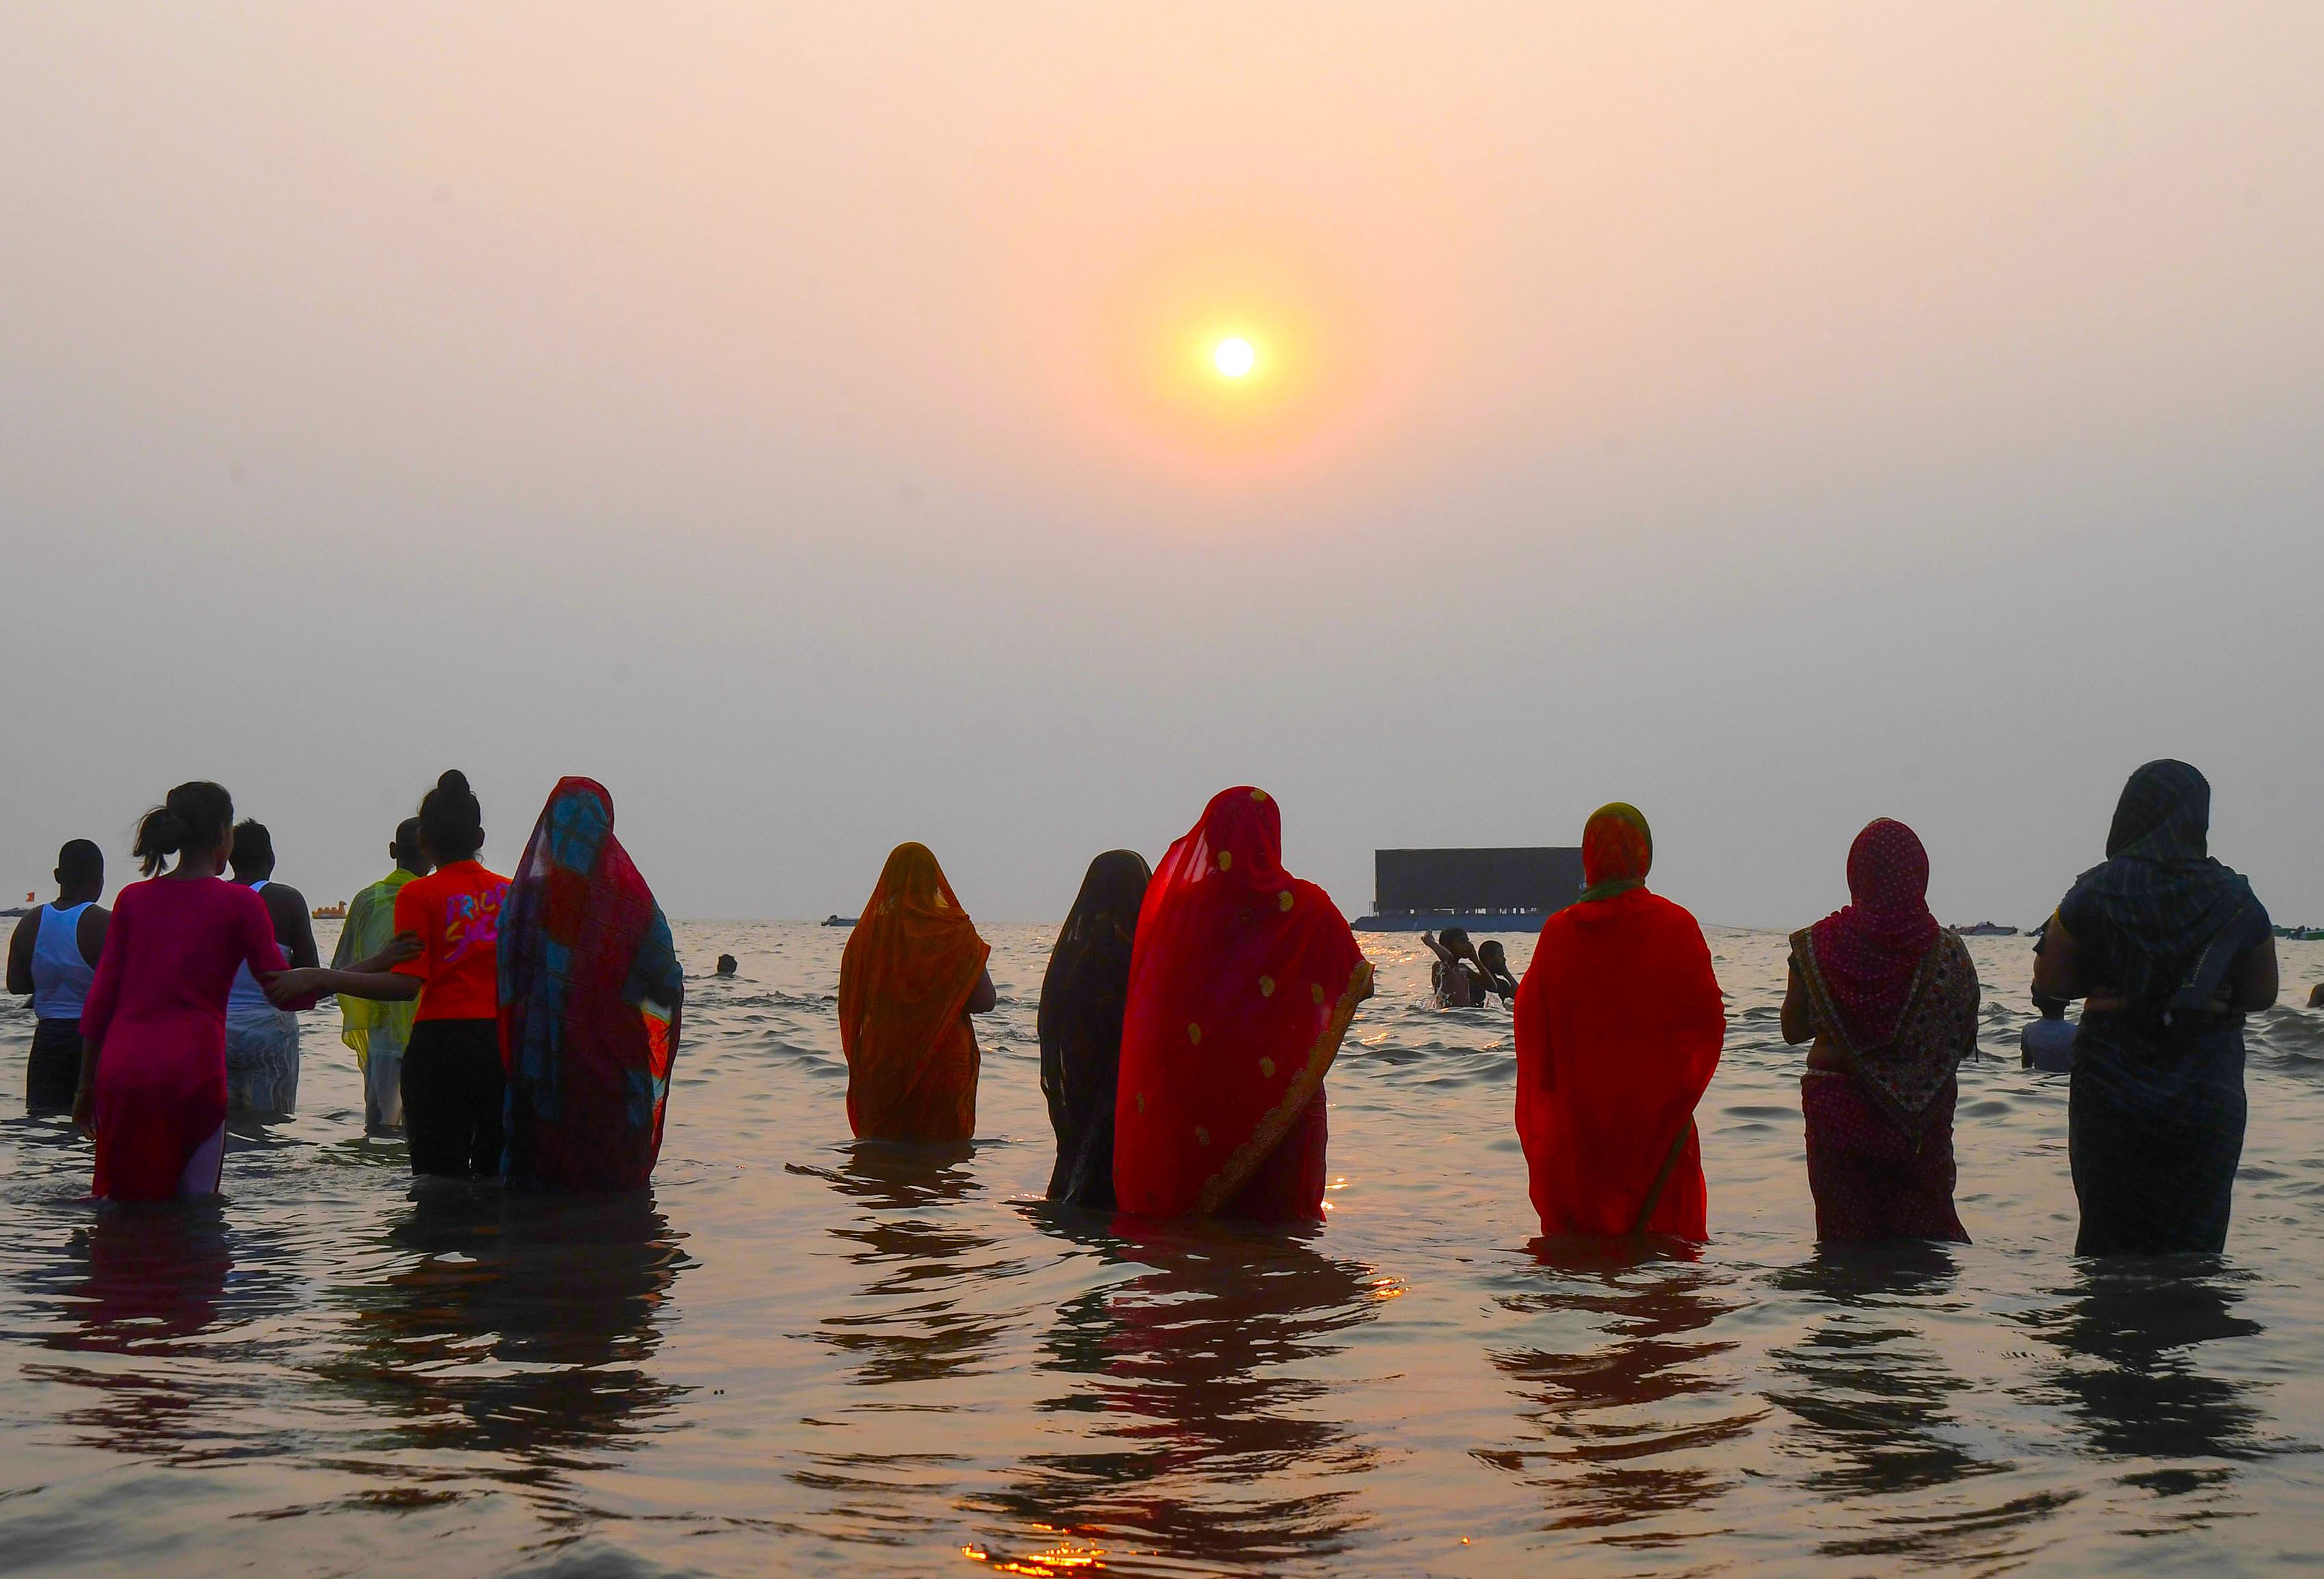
796, 419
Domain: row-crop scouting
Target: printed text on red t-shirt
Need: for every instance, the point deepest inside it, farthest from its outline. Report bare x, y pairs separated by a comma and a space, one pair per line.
472, 919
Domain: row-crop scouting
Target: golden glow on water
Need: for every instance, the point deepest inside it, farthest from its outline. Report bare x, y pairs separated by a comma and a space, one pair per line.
796, 1345
1066, 1557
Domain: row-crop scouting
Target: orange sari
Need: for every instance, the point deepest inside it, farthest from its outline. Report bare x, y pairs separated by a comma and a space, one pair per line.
1619, 1028
1242, 980
904, 986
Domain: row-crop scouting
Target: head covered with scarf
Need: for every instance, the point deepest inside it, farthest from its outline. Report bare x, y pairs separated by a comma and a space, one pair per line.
1619, 1028
1618, 849
590, 994
1243, 981
2163, 896
1896, 991
910, 967
1869, 951
1082, 997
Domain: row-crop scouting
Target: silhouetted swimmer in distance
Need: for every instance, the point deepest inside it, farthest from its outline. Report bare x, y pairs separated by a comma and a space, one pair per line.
1458, 978
1496, 961
52, 957
726, 966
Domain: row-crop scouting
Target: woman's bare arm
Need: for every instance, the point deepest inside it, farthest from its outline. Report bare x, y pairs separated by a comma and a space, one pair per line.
84, 1112
2257, 981
294, 932
20, 954
315, 981
982, 999
1799, 1025
404, 945
2057, 964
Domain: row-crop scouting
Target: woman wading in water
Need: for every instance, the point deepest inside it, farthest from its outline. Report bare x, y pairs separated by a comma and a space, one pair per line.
2172, 950
1243, 981
590, 995
152, 1069
912, 974
1083, 995
1619, 1028
1890, 999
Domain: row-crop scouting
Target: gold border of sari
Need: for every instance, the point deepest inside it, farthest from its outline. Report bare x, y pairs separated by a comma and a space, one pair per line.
1245, 1158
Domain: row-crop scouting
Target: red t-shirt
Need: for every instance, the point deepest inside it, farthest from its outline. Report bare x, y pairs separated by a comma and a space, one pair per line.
455, 909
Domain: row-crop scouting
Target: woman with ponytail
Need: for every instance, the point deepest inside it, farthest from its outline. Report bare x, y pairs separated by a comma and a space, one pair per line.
449, 922
152, 1071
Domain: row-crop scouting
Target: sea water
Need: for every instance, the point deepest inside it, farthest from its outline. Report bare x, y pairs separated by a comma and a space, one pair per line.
799, 1355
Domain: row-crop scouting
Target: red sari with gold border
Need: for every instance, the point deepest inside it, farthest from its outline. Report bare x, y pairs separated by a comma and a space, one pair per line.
1243, 981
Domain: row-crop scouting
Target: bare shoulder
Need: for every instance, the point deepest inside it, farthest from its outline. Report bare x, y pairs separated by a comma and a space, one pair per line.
90, 933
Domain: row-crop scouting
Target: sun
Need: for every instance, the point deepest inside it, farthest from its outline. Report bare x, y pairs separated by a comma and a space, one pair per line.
1234, 357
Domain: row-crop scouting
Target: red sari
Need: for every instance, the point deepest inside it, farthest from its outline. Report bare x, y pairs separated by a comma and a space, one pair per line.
1243, 981
1618, 1026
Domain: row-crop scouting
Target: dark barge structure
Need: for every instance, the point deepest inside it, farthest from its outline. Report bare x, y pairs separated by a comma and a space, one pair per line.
1495, 889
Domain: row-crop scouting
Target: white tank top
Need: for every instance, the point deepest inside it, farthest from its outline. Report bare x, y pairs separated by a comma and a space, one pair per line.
61, 976
246, 994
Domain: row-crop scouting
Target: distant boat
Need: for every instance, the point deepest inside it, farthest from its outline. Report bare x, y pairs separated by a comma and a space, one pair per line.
839, 921
26, 909
330, 912
1986, 929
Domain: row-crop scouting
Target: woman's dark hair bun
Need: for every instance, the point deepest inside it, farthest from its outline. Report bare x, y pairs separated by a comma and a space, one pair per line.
450, 821
188, 820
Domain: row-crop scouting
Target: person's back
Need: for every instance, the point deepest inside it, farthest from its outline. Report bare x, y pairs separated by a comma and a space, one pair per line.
1620, 1023
1243, 980
592, 999
152, 1088
454, 1084
1593, 991
912, 973
262, 1041
2047, 1044
379, 1032
1085, 994
52, 957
